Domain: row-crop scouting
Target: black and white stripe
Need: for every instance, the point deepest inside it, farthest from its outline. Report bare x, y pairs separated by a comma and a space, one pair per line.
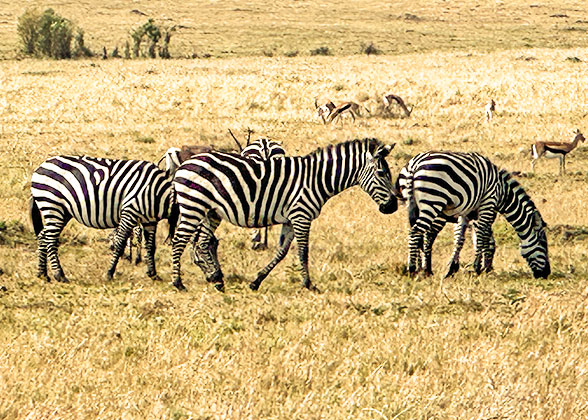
444, 186
102, 194
289, 191
262, 149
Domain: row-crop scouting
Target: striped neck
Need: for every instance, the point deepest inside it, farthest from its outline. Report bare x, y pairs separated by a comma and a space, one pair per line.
516, 205
335, 168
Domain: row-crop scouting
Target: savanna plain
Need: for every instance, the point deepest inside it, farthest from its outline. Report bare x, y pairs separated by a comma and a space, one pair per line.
375, 343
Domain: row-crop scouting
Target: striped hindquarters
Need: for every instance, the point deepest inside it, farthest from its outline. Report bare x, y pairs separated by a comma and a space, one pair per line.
94, 190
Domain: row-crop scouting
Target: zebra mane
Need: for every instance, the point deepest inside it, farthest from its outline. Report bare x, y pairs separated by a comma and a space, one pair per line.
372, 144
514, 190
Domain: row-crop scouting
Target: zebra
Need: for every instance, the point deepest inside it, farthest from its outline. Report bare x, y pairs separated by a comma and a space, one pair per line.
442, 187
99, 193
135, 241
262, 149
287, 190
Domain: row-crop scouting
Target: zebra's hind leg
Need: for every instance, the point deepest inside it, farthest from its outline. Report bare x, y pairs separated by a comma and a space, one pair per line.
138, 233
123, 231
458, 239
429, 240
206, 256
51, 236
42, 254
286, 238
150, 231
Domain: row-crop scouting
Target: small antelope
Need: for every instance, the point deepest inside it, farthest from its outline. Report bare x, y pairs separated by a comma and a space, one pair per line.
346, 107
490, 109
551, 150
390, 98
324, 110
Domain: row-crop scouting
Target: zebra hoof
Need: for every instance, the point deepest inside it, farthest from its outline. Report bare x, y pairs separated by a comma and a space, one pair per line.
179, 285
154, 277
60, 277
220, 287
312, 288
44, 276
138, 260
254, 285
453, 268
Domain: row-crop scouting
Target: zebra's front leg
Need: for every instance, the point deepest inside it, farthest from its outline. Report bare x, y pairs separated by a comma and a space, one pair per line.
484, 255
286, 237
150, 231
124, 230
301, 233
459, 239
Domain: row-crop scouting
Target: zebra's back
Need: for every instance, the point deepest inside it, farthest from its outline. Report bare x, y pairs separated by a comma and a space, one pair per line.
93, 190
247, 192
457, 181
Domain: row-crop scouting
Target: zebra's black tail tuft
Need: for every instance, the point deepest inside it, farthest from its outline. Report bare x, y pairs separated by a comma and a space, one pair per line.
36, 217
172, 220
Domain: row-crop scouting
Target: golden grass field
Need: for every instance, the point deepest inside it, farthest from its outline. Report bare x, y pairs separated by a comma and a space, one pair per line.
375, 344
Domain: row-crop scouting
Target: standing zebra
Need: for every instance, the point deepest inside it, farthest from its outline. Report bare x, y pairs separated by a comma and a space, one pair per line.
289, 191
260, 150
444, 186
99, 193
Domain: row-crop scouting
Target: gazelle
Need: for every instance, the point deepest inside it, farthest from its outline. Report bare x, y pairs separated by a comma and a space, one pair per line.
489, 110
324, 110
351, 108
551, 150
390, 98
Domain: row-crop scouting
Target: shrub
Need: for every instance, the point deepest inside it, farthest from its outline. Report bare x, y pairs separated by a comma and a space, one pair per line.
321, 51
370, 49
50, 35
153, 34
292, 53
27, 30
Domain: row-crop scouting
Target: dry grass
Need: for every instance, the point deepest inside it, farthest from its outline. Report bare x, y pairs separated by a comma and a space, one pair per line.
375, 344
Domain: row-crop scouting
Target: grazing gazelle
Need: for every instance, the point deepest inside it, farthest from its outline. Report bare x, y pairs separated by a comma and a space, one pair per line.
351, 108
489, 110
551, 150
390, 98
324, 110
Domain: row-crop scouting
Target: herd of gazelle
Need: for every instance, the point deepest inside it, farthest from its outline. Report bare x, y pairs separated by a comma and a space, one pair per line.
328, 112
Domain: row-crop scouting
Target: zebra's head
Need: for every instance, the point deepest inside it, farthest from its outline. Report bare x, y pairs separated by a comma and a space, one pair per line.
375, 178
534, 247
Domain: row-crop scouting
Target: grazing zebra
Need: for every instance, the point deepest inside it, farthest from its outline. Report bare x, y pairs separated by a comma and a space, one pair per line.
260, 150
444, 186
289, 191
99, 193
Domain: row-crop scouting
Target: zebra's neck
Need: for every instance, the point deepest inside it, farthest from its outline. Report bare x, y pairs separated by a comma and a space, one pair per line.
333, 169
516, 206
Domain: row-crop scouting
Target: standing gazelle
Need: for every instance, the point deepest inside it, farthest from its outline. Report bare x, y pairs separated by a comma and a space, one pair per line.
551, 150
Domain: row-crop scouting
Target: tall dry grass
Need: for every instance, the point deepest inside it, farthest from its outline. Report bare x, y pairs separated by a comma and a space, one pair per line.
375, 343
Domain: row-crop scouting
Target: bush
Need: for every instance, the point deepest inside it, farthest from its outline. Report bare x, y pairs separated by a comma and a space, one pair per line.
321, 51
50, 35
27, 30
153, 34
370, 49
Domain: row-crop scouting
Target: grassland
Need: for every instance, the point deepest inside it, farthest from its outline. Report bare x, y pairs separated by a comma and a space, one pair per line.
375, 344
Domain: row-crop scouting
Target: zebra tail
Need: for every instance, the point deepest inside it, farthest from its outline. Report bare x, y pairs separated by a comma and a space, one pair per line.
172, 220
36, 217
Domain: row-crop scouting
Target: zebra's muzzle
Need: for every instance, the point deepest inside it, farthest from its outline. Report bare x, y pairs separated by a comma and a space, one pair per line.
543, 273
390, 207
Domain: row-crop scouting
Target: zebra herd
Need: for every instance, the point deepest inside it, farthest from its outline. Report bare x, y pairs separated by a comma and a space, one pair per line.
262, 186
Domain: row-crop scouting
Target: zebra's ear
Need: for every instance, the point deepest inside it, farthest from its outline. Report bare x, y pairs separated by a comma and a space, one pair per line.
384, 150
